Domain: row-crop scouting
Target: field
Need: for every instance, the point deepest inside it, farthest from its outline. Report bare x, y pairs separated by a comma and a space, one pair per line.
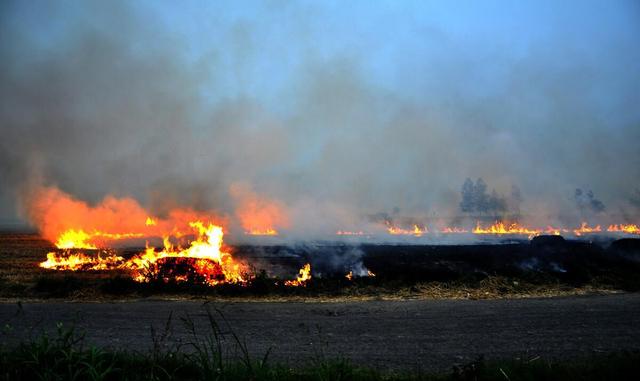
516, 269
550, 308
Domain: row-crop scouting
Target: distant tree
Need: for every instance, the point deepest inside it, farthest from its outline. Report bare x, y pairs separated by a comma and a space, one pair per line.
480, 196
496, 204
467, 204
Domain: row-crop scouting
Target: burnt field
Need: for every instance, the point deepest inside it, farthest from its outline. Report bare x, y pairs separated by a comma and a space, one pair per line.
544, 266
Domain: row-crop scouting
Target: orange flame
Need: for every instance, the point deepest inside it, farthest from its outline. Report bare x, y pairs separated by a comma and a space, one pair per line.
304, 275
80, 261
258, 216
416, 231
206, 249
72, 223
500, 228
586, 229
622, 228
208, 259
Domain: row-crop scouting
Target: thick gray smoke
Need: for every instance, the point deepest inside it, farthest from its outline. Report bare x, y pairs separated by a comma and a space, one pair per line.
108, 98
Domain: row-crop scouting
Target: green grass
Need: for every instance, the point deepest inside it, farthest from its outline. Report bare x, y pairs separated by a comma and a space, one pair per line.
207, 356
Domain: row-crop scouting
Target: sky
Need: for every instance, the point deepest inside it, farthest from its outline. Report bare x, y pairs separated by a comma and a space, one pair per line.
337, 109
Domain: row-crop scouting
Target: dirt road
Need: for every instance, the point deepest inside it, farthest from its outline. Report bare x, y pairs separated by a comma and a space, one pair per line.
385, 334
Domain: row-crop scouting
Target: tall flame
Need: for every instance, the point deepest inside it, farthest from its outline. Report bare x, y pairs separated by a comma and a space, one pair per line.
304, 275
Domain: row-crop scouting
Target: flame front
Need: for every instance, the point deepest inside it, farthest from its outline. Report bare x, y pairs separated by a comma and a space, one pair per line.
80, 261
205, 254
500, 228
629, 229
586, 229
416, 231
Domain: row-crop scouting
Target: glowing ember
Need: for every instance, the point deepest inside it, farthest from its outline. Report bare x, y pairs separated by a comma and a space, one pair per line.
349, 276
150, 222
303, 277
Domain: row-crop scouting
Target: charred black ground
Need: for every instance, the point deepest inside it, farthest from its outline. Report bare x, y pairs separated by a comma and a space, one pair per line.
544, 266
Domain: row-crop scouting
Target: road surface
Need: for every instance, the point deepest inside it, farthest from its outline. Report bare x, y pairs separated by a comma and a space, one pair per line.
412, 334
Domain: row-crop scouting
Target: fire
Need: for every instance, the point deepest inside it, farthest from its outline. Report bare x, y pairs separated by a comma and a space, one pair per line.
78, 239
74, 239
416, 231
80, 261
304, 275
72, 223
204, 255
500, 228
350, 275
629, 229
258, 215
208, 259
555, 231
586, 229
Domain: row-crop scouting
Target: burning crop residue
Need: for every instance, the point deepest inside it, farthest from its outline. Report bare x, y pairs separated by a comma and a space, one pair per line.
204, 257
192, 248
498, 228
502, 228
415, 230
304, 275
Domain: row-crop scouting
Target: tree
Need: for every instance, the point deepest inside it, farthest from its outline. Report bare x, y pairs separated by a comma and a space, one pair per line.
467, 204
480, 197
496, 203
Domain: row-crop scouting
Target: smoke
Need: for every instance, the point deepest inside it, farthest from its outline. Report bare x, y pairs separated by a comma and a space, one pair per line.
320, 117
